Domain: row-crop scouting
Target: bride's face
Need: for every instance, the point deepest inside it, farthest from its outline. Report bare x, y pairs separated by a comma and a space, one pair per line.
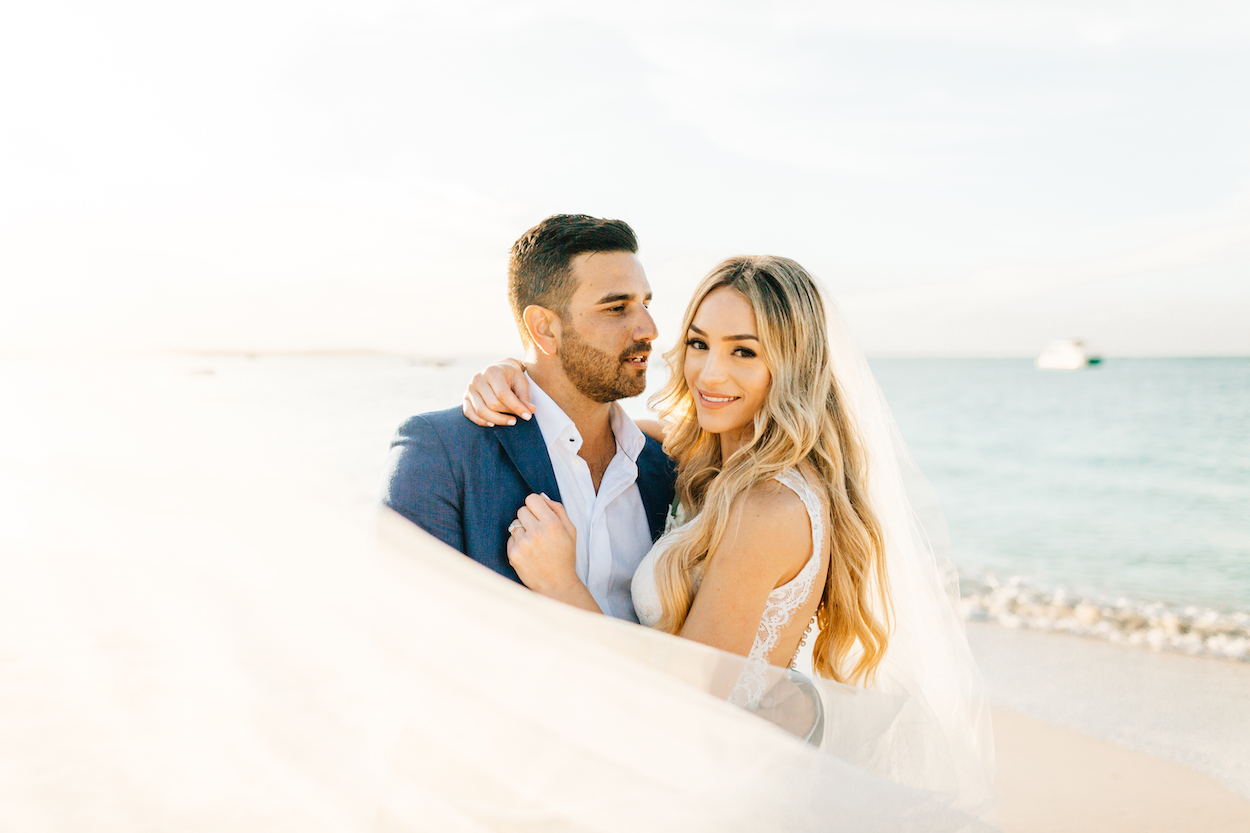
725, 367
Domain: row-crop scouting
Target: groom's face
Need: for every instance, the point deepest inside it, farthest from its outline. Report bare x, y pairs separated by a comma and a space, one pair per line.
606, 336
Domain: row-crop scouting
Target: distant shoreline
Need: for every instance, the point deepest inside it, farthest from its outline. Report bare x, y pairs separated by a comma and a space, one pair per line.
443, 360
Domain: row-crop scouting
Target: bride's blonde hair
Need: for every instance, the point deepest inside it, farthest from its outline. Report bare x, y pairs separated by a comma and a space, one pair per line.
802, 424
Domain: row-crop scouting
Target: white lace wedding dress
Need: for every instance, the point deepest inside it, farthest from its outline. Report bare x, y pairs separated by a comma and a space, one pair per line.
527, 714
890, 727
782, 605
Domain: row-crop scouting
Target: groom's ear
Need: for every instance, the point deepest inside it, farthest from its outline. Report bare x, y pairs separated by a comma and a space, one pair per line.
543, 325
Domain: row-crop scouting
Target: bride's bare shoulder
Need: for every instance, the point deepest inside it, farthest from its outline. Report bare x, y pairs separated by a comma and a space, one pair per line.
772, 502
768, 525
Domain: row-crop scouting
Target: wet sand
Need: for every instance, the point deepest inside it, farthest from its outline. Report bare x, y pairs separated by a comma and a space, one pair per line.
1054, 780
1095, 736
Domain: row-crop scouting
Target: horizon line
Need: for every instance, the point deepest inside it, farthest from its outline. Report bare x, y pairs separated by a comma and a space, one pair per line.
445, 358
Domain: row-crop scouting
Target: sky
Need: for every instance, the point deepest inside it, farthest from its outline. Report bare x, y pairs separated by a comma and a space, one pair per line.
974, 178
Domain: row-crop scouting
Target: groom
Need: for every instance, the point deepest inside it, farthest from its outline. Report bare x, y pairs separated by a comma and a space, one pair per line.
579, 296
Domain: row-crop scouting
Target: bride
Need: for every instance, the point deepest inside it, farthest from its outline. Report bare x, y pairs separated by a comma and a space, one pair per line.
772, 473
792, 475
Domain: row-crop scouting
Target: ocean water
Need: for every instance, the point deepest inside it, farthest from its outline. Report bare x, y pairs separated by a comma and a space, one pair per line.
1132, 478
1111, 502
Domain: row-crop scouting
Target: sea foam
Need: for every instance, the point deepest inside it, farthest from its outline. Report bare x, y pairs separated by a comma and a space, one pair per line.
1016, 603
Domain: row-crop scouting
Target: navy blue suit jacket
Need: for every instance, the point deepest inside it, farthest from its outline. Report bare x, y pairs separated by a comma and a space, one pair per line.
463, 483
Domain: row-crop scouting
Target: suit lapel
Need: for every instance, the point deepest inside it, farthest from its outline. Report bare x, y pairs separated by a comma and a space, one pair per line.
655, 484
525, 447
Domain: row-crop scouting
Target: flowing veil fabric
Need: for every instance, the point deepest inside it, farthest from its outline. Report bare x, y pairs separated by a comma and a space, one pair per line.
529, 715
941, 737
524, 714
196, 637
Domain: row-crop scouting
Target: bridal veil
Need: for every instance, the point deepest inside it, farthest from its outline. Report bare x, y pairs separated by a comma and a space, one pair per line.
206, 644
525, 714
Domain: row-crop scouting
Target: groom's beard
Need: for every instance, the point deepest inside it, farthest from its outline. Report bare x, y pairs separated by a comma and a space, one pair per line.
598, 375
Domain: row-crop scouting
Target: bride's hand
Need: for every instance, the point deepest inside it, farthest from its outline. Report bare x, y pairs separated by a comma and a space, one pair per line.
543, 551
498, 393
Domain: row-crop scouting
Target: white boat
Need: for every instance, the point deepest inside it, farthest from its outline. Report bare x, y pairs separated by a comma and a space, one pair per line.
1066, 354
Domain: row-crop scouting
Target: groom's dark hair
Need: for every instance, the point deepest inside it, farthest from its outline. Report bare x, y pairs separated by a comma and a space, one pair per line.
538, 268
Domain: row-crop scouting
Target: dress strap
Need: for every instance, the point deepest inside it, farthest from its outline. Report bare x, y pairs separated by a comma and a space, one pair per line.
784, 601
798, 484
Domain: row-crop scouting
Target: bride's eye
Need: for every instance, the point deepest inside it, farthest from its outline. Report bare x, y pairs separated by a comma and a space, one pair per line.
744, 352
696, 344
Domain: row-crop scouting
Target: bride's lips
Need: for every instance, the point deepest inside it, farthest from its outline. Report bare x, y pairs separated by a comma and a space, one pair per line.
711, 400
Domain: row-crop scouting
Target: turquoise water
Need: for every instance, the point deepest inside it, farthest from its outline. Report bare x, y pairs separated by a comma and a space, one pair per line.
1130, 479
1126, 485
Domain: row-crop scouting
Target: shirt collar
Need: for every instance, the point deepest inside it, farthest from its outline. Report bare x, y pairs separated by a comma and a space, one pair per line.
559, 431
628, 435
557, 428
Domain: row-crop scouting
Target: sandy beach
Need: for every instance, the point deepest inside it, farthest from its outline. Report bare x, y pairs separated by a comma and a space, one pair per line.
1094, 736
1055, 780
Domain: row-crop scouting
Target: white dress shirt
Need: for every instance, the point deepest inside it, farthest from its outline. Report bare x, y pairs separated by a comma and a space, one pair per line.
612, 530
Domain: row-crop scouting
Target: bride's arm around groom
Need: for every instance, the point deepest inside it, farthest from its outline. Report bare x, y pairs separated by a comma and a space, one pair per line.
579, 296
